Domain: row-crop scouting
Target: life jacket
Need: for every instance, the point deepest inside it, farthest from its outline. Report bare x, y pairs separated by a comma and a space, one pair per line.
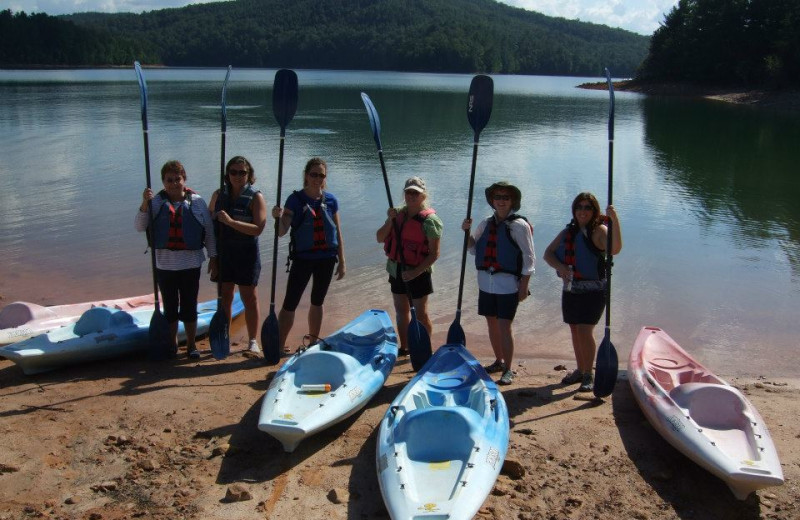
496, 251
240, 209
316, 232
414, 242
578, 251
175, 227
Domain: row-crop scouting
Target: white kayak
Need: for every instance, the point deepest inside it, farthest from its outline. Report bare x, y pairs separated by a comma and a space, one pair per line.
701, 415
327, 382
22, 320
100, 333
443, 441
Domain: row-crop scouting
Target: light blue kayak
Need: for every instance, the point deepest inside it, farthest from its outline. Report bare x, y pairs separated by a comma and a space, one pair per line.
443, 440
100, 333
329, 381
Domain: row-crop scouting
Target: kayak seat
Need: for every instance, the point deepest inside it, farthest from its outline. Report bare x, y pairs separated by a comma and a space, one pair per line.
323, 367
93, 320
19, 313
438, 433
711, 405
121, 319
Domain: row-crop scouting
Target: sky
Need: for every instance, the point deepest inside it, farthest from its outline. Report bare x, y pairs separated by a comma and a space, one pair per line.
639, 16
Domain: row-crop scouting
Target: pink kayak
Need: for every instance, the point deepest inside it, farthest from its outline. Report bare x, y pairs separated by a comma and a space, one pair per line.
23, 320
701, 415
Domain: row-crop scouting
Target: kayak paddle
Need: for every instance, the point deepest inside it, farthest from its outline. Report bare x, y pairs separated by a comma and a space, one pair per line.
419, 341
479, 109
284, 106
219, 329
160, 346
605, 371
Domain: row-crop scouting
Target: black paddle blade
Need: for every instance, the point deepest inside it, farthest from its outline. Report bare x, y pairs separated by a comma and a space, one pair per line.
605, 373
158, 335
284, 97
419, 343
374, 120
455, 334
479, 103
218, 335
270, 337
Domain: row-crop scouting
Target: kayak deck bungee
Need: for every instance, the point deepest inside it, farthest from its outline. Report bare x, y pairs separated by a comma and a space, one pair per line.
442, 443
701, 415
100, 333
22, 320
327, 382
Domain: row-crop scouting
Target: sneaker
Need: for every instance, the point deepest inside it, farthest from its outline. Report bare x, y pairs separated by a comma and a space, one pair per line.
254, 348
507, 379
575, 377
495, 367
586, 383
193, 353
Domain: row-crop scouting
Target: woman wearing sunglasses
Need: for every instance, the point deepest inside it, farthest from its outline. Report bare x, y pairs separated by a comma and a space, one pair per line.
181, 228
415, 251
504, 257
578, 256
315, 248
241, 213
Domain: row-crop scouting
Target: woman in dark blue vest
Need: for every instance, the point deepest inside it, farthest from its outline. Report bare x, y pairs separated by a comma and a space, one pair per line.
316, 246
578, 256
241, 213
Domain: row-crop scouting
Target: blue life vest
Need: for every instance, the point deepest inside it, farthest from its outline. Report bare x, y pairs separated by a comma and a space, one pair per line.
240, 209
496, 251
175, 227
589, 260
315, 232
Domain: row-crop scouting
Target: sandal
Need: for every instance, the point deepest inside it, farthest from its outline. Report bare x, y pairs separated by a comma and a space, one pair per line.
575, 377
587, 383
507, 379
497, 366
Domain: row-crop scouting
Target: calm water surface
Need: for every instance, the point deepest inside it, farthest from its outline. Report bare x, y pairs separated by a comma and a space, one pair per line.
706, 193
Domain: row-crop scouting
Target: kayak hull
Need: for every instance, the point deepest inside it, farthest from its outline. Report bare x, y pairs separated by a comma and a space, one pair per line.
23, 320
355, 361
443, 441
100, 333
701, 415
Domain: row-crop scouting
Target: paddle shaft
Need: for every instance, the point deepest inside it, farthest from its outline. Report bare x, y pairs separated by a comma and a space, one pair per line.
220, 194
466, 233
277, 224
609, 256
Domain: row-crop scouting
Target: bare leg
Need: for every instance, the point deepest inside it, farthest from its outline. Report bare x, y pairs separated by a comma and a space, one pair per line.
285, 324
226, 292
506, 340
315, 320
584, 346
495, 338
173, 334
421, 308
251, 309
401, 309
191, 332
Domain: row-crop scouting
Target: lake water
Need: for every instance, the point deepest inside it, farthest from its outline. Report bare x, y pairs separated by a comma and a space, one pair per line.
706, 193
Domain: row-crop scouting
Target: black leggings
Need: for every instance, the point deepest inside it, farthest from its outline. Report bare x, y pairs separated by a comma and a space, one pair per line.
179, 289
300, 273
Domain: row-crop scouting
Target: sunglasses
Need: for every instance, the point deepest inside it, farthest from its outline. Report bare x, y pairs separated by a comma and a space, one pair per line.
315, 175
237, 173
501, 197
584, 207
412, 193
171, 180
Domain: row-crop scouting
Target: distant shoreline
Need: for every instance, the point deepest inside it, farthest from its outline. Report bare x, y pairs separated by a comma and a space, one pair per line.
779, 99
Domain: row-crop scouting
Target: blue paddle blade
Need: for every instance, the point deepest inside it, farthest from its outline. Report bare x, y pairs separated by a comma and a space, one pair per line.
269, 340
158, 335
218, 335
284, 97
419, 343
605, 373
374, 120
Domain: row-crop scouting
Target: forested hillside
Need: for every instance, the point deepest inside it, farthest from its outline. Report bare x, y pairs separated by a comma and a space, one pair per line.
409, 35
725, 42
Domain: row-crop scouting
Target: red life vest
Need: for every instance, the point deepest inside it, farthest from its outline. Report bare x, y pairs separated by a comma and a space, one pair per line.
414, 243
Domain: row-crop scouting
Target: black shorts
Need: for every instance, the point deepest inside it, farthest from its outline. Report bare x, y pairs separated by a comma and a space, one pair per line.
419, 287
300, 273
502, 306
179, 293
239, 262
583, 308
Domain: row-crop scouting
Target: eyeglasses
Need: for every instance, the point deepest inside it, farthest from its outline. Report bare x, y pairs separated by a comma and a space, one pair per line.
501, 197
171, 180
315, 175
237, 173
584, 207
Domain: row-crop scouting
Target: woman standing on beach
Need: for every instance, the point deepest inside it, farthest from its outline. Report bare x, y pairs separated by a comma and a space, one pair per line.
316, 245
504, 257
577, 255
416, 249
182, 226
241, 213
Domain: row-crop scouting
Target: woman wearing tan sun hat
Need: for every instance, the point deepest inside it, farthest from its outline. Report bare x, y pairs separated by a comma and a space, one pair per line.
504, 257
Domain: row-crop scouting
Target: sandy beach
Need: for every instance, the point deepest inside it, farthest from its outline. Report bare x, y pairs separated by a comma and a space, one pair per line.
130, 438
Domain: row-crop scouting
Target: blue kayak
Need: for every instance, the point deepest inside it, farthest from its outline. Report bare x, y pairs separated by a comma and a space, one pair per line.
443, 440
100, 333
